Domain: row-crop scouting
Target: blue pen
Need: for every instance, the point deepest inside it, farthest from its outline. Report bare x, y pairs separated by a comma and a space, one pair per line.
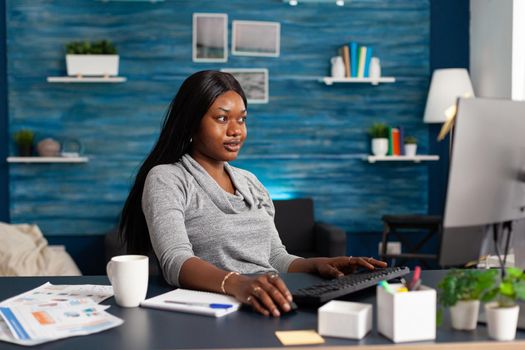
212, 305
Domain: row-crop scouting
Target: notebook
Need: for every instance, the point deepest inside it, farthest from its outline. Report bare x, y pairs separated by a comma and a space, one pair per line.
195, 302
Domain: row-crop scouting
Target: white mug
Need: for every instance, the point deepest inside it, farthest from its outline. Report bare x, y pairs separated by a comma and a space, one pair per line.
128, 275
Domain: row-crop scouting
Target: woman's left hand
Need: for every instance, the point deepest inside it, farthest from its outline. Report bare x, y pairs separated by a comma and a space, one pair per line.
343, 265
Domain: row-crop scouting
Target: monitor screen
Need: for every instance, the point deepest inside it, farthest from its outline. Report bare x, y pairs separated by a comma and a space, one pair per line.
487, 166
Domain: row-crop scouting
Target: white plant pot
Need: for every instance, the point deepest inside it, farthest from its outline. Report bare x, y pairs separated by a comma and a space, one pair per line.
502, 321
92, 65
379, 147
410, 149
464, 315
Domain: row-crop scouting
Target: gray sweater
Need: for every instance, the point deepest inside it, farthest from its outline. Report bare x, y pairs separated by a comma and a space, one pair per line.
189, 214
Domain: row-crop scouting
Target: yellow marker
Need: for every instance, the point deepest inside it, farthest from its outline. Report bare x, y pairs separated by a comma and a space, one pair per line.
402, 289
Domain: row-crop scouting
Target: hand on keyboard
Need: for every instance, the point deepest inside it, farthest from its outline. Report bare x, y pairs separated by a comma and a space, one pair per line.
266, 294
343, 265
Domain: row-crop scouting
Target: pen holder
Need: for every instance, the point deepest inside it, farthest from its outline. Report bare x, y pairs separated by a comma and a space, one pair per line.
406, 316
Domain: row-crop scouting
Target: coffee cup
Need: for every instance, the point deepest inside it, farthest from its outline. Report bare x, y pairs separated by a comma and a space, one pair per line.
128, 275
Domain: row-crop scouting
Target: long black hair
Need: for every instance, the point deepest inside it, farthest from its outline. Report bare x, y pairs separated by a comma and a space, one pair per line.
196, 94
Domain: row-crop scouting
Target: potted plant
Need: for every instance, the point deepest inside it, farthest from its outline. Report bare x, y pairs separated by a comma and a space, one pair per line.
460, 290
410, 145
97, 58
24, 142
379, 134
501, 309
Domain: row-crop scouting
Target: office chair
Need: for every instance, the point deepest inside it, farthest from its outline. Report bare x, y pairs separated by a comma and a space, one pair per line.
302, 235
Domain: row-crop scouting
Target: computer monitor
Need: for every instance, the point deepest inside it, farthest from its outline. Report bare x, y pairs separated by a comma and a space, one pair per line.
486, 179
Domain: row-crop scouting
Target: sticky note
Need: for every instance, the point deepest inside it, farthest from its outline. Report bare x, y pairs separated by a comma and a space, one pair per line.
299, 337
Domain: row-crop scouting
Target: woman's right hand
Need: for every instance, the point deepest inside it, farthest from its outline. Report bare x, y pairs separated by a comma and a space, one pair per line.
266, 293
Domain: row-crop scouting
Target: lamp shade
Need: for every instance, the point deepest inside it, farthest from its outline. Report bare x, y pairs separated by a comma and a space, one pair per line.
445, 87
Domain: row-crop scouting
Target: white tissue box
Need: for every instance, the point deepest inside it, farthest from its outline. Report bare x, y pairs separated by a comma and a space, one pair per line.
344, 319
406, 316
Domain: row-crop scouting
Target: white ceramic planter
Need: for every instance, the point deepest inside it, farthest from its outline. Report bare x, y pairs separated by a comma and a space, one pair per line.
380, 147
502, 321
92, 65
464, 315
410, 149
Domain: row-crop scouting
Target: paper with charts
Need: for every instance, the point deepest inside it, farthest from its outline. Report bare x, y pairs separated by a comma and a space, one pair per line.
51, 312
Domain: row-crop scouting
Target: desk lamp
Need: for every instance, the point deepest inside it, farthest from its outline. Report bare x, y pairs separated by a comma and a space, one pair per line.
446, 86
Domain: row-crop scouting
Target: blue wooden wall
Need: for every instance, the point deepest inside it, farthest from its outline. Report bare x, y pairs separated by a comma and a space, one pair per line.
4, 171
307, 141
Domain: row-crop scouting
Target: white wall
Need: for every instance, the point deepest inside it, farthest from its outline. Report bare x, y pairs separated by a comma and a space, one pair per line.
491, 47
518, 52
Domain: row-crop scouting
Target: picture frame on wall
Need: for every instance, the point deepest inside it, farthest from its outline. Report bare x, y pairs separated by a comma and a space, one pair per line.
254, 82
210, 37
256, 38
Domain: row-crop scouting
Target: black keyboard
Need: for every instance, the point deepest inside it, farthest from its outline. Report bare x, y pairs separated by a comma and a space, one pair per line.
335, 288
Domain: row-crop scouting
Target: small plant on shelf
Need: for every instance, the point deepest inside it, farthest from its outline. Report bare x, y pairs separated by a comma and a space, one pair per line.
378, 131
410, 140
410, 145
102, 47
24, 141
379, 134
96, 58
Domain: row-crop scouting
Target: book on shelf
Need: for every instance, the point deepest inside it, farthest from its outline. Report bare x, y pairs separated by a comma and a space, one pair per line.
346, 60
401, 140
353, 59
361, 62
395, 142
368, 58
359, 59
390, 144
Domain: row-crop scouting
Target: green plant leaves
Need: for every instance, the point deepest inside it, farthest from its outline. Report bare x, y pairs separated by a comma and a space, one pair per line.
519, 288
101, 47
378, 130
506, 289
23, 137
514, 272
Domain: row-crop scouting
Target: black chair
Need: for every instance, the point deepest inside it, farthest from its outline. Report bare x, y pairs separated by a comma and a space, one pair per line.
302, 235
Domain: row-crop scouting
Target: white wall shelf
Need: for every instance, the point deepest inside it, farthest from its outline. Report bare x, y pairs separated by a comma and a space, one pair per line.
330, 80
415, 159
47, 159
86, 79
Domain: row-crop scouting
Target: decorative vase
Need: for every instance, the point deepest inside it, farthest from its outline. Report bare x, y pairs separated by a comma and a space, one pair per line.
464, 315
375, 68
338, 67
48, 148
502, 321
379, 146
410, 149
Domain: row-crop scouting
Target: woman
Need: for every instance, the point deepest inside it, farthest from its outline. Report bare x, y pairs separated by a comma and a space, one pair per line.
209, 223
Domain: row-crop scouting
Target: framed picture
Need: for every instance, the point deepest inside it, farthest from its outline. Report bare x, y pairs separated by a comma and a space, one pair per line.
254, 82
210, 37
253, 38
